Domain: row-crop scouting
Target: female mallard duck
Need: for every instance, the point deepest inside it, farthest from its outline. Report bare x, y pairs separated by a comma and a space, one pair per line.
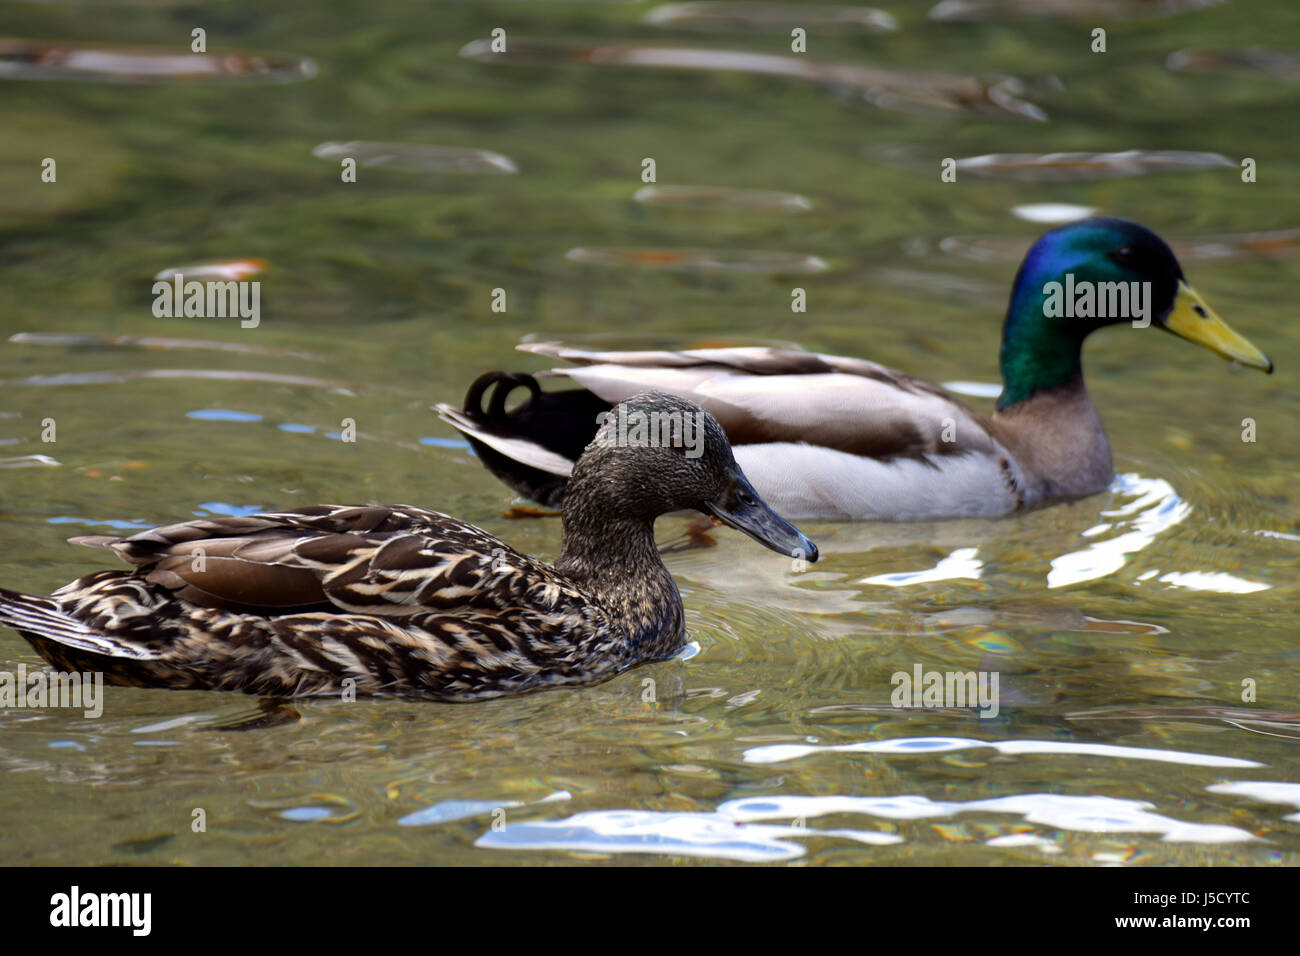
405, 601
829, 437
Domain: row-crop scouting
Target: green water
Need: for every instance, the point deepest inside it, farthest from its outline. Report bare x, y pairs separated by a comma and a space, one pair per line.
1129, 620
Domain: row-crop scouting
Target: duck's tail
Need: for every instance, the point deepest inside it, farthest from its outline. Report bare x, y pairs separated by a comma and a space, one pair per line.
531, 448
42, 621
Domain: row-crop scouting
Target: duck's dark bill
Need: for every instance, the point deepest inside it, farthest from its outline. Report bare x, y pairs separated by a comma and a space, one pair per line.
742, 508
1195, 321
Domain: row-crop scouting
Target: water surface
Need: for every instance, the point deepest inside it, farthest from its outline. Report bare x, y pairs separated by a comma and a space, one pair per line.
1122, 627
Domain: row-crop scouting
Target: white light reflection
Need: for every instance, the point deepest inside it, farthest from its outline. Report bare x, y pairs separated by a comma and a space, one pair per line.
734, 830
1265, 791
1088, 814
1212, 581
1155, 509
960, 564
777, 753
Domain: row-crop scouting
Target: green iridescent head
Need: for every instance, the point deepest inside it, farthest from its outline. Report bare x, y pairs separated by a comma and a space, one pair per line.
1094, 273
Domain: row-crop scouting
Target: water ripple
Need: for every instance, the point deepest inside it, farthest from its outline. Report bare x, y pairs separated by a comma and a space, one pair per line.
1155, 508
733, 832
779, 753
1090, 813
707, 835
960, 564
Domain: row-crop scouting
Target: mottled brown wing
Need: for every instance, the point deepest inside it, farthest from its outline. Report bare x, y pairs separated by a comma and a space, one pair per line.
389, 561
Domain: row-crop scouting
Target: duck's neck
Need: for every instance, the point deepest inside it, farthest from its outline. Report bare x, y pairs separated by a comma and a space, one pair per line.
1044, 415
613, 556
1038, 353
1058, 439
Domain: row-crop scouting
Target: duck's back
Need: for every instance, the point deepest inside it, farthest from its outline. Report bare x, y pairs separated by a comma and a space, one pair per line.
824, 436
319, 600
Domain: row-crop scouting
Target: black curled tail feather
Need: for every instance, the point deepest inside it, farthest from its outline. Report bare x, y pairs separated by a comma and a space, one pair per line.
561, 422
500, 385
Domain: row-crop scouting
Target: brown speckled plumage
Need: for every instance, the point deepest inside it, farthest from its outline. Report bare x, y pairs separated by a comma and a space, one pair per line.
387, 599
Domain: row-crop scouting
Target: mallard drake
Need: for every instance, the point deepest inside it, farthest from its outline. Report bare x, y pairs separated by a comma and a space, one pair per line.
823, 436
400, 600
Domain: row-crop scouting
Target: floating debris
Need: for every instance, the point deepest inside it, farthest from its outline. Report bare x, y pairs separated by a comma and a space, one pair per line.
711, 196
1276, 63
1052, 212
43, 60
770, 18
412, 157
30, 461
94, 340
884, 87
223, 269
1109, 9
1067, 167
703, 260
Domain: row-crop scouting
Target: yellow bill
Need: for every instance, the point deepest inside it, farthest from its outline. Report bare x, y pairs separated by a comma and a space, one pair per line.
1195, 321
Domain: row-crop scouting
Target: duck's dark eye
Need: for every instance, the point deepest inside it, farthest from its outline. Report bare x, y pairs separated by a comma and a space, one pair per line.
1125, 256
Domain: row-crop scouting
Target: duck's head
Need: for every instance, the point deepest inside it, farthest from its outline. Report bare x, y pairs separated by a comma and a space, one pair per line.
1094, 273
656, 453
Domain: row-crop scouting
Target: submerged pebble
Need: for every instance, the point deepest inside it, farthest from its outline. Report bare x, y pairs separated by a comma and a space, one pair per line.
885, 87
46, 60
1277, 63
1063, 167
415, 158
770, 18
1110, 9
712, 196
752, 262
